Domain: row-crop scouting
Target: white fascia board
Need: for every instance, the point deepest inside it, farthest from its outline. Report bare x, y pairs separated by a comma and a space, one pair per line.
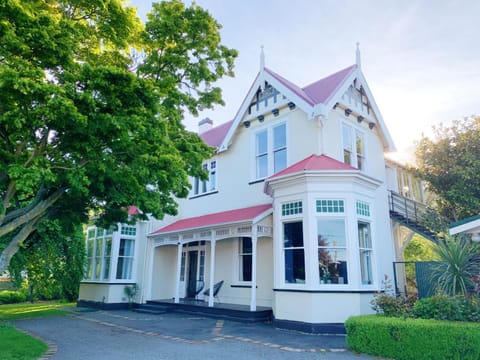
469, 228
241, 111
390, 146
262, 216
299, 102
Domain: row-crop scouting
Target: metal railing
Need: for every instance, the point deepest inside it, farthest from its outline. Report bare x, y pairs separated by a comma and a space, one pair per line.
416, 216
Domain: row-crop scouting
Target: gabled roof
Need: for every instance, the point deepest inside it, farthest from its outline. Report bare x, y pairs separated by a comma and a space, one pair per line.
322, 90
315, 163
316, 99
215, 136
215, 219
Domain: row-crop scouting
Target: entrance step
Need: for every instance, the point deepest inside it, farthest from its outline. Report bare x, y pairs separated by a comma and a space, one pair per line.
154, 309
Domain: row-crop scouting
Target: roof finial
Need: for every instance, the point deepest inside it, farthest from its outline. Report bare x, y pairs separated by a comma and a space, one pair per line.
358, 59
262, 58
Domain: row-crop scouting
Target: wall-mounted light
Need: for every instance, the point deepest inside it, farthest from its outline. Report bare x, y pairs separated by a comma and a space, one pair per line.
246, 124
360, 118
275, 112
348, 112
291, 105
371, 125
260, 118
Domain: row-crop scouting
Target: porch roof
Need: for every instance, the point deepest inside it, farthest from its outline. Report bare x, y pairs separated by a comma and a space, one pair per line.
215, 219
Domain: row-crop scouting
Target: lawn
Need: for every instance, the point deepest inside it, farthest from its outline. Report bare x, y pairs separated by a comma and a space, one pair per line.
16, 344
29, 310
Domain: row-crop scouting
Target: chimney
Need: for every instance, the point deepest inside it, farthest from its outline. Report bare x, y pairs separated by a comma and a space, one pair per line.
205, 125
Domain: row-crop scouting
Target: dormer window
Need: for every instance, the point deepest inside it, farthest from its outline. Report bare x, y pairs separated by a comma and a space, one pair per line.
353, 147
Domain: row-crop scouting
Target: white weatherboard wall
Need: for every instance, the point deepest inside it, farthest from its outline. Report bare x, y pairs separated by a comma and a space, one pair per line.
317, 308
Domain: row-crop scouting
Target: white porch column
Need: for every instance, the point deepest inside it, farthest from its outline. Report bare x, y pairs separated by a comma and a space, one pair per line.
179, 269
253, 294
211, 298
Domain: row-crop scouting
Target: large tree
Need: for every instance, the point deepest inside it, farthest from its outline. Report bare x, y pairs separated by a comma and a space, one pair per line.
88, 124
450, 164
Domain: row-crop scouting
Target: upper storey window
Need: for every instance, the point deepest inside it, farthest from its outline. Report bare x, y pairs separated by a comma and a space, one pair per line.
270, 151
353, 147
205, 186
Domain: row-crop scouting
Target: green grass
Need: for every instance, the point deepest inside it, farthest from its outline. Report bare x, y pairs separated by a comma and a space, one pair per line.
28, 310
19, 346
16, 345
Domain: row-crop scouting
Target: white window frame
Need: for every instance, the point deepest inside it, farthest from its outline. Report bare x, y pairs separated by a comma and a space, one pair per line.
332, 209
98, 260
240, 257
293, 248
350, 145
130, 257
201, 187
368, 267
366, 217
271, 151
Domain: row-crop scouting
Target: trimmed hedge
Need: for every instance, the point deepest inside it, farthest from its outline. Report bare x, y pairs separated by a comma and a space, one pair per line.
415, 339
12, 297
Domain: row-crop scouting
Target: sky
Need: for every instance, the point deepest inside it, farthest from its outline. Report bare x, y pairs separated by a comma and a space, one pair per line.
421, 59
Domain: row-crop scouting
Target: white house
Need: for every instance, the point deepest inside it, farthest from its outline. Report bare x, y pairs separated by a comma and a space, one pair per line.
294, 217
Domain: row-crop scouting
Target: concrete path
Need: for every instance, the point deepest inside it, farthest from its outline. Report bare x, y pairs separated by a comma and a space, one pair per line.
127, 335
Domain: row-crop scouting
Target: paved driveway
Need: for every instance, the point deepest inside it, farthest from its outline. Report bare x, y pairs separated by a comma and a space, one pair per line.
127, 335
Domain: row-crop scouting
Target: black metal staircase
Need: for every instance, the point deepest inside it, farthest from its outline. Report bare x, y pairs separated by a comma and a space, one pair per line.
415, 216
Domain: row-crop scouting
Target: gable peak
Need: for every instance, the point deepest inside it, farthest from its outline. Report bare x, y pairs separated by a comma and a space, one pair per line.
262, 58
358, 59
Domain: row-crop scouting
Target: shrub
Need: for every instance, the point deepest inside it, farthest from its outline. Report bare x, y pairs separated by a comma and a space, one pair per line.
456, 308
389, 305
11, 297
418, 339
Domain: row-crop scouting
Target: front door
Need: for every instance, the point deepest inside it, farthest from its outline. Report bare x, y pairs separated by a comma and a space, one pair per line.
192, 274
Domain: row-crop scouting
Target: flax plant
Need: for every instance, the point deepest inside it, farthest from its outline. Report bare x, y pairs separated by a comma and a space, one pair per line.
459, 263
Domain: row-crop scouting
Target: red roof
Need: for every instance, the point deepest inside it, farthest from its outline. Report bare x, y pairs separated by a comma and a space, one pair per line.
133, 210
225, 217
315, 163
215, 136
321, 90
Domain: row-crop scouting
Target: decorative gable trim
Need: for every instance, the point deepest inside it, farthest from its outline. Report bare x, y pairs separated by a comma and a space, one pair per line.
314, 106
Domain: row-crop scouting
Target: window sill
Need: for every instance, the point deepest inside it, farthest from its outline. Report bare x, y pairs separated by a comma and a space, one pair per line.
117, 282
202, 195
243, 286
256, 181
336, 290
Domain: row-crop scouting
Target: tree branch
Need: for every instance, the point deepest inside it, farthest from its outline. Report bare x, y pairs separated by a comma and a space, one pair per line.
14, 245
37, 211
21, 211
